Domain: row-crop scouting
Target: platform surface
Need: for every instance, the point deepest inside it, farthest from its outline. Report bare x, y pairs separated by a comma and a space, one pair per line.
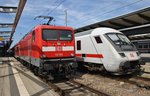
146, 58
17, 80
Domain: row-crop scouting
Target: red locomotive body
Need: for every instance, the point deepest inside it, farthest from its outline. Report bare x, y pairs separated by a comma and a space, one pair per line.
49, 50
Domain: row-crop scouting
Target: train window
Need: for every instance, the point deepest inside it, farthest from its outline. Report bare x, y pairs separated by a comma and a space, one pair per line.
140, 46
98, 39
79, 45
145, 46
114, 38
33, 36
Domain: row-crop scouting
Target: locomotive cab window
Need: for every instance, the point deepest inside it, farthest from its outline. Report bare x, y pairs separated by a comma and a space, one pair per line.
79, 45
119, 39
56, 34
50, 34
98, 39
65, 35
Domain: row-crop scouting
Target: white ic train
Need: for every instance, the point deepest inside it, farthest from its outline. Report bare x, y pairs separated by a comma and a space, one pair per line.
106, 49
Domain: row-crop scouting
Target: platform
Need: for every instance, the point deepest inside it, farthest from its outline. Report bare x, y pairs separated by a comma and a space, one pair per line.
146, 58
17, 80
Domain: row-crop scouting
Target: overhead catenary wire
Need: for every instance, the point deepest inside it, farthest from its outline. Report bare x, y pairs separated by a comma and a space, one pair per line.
52, 10
53, 4
11, 16
98, 9
56, 7
45, 11
83, 16
109, 11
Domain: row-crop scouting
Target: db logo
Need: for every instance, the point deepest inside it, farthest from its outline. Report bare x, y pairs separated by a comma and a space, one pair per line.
131, 55
58, 48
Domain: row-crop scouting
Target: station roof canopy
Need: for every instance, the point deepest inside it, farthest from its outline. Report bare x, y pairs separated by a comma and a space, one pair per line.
137, 18
6, 25
139, 37
8, 9
8, 34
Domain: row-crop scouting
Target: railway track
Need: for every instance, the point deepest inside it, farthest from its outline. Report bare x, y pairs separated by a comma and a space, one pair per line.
140, 82
143, 82
134, 81
143, 78
69, 87
73, 88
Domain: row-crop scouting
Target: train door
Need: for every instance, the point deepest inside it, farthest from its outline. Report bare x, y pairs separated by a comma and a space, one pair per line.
105, 52
30, 45
29, 49
19, 53
98, 44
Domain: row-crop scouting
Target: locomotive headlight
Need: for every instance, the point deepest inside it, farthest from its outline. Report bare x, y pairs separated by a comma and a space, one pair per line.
122, 54
72, 54
44, 56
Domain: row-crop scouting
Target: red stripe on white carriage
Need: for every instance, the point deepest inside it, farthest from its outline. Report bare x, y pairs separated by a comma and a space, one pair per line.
79, 55
91, 55
53, 48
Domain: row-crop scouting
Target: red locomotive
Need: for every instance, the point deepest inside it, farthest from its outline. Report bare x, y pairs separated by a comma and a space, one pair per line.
49, 50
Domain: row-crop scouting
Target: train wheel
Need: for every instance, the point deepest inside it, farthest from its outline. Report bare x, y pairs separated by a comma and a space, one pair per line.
80, 65
70, 72
36, 71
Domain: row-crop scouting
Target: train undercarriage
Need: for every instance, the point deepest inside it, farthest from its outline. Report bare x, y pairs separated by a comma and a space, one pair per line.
128, 68
53, 68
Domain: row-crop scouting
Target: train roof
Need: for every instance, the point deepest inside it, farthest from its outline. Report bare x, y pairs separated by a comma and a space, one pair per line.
97, 31
53, 26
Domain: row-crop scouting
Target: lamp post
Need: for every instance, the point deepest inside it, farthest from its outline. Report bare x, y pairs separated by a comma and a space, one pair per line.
66, 17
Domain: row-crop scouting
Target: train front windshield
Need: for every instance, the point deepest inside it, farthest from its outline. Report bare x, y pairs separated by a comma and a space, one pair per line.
121, 41
48, 34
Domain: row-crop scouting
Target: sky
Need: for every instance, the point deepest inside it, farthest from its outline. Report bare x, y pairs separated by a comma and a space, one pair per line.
79, 12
